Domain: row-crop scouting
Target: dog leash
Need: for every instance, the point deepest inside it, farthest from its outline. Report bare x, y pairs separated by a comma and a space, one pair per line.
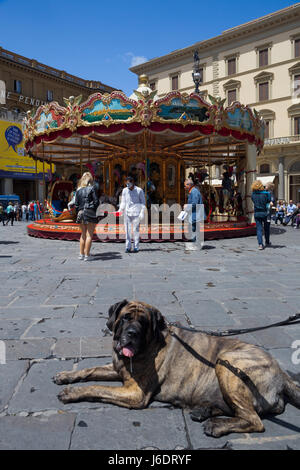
292, 320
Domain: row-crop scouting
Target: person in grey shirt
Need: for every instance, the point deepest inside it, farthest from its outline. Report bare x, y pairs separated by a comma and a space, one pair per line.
133, 207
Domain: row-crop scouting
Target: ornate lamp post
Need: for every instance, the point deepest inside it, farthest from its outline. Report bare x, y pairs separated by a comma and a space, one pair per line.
197, 79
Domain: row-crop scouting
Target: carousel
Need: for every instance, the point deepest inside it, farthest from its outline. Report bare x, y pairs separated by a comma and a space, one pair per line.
158, 141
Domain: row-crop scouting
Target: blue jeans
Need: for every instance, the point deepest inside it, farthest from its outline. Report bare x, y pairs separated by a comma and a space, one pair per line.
262, 226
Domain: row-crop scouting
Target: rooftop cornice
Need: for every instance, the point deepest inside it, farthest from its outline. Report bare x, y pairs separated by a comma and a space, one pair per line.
34, 66
284, 16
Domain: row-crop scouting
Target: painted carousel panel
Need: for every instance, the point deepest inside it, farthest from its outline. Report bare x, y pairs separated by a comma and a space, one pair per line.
178, 108
115, 110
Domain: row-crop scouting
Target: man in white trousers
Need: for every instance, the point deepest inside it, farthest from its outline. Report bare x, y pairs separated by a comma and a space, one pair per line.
133, 207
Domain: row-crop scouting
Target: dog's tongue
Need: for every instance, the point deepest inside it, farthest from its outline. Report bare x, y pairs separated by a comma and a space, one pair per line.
128, 352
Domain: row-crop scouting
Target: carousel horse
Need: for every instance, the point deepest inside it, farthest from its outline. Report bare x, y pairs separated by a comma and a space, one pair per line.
65, 216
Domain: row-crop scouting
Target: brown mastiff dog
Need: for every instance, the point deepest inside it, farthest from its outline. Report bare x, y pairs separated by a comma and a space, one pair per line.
211, 375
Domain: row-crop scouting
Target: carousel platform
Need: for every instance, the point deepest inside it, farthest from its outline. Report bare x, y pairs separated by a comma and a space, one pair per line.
46, 228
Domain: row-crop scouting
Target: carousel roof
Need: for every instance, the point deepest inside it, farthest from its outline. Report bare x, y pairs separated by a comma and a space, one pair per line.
113, 124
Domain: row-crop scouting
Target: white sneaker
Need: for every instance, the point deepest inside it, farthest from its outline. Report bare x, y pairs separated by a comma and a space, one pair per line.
87, 258
190, 246
81, 257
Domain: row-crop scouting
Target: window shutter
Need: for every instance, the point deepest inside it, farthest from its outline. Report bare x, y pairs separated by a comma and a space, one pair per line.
231, 96
231, 66
263, 57
264, 91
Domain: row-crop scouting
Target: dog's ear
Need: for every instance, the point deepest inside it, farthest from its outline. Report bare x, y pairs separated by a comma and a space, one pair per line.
158, 321
113, 313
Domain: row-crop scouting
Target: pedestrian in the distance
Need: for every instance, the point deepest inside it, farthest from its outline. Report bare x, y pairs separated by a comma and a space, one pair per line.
195, 210
2, 215
133, 206
10, 211
24, 211
86, 204
261, 200
270, 188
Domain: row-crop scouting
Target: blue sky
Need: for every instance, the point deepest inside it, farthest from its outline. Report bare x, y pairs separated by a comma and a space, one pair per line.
100, 40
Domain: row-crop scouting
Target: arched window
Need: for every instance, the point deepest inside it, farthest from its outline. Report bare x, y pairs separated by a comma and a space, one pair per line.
264, 168
295, 167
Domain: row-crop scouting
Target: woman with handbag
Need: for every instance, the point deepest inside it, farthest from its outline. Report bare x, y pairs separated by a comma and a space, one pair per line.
86, 203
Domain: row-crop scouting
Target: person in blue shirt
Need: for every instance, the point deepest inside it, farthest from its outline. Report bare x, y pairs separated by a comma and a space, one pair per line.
291, 207
194, 207
10, 214
261, 200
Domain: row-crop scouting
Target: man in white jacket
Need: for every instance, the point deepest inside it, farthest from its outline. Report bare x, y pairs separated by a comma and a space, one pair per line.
133, 207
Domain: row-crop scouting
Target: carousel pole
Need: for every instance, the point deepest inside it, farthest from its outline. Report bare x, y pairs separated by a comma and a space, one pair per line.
229, 174
44, 184
178, 181
146, 171
36, 182
209, 178
80, 157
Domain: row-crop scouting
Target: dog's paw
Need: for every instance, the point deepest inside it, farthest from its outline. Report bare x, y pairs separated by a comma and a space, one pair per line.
66, 395
61, 378
200, 414
212, 428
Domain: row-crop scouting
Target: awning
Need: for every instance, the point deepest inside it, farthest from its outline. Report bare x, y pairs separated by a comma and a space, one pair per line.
266, 179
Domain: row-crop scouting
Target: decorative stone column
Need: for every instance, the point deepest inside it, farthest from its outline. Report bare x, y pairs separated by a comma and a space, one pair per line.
8, 186
250, 177
281, 192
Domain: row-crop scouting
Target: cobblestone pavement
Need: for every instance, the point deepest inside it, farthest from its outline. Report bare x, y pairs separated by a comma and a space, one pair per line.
53, 308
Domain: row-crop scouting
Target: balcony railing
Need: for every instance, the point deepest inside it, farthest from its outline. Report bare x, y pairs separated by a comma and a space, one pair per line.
12, 116
282, 140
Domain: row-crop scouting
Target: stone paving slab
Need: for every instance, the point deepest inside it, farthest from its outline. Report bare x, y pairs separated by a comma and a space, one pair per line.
36, 312
82, 347
29, 348
66, 328
10, 375
36, 433
129, 429
13, 329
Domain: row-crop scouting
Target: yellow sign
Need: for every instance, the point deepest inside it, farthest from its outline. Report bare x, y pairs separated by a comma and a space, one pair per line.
13, 160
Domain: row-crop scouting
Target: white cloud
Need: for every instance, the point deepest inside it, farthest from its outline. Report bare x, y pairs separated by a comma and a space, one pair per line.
137, 60
134, 59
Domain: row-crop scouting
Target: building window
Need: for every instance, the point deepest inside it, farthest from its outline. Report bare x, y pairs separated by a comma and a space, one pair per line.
231, 66
297, 84
49, 95
231, 96
263, 93
18, 86
297, 47
264, 168
267, 129
263, 57
297, 125
174, 80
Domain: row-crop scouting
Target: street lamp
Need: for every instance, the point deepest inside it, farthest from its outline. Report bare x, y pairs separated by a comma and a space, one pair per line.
197, 79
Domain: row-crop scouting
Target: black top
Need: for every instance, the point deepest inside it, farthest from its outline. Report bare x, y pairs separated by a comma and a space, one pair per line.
86, 198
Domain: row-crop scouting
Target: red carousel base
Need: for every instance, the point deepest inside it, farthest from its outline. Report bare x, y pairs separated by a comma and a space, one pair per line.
46, 228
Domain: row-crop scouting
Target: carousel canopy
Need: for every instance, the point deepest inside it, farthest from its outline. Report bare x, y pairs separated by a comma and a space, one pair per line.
178, 124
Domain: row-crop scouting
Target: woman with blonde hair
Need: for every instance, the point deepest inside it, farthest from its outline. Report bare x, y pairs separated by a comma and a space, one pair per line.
261, 200
86, 203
